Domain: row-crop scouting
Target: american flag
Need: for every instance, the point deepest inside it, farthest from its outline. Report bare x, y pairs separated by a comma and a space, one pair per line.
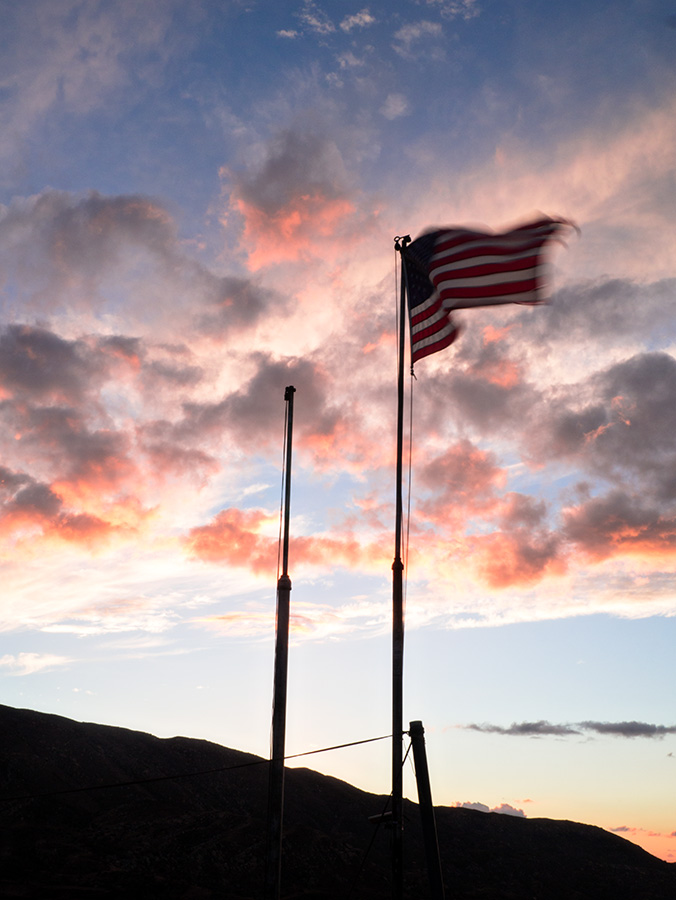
455, 269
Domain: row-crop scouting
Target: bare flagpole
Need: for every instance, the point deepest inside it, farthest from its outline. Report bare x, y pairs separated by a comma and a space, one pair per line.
398, 611
273, 868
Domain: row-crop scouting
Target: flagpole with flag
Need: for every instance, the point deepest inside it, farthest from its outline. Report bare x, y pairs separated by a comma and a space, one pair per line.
441, 271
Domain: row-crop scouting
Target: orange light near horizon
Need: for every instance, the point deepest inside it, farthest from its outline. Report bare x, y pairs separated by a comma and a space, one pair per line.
663, 846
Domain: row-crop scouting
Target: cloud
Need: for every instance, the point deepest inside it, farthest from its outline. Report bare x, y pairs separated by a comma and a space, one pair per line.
613, 177
546, 729
621, 310
98, 255
507, 810
409, 36
617, 421
629, 729
395, 106
315, 19
504, 809
520, 559
29, 509
239, 538
463, 478
234, 537
30, 663
296, 201
465, 9
120, 615
61, 252
37, 363
232, 304
358, 20
464, 485
307, 621
619, 524
527, 729
479, 807
74, 56
249, 418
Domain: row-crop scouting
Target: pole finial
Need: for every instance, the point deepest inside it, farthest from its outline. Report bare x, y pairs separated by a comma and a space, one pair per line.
401, 242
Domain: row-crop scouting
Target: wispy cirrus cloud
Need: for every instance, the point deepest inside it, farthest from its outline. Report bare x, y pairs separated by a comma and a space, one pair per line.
73, 57
308, 621
30, 663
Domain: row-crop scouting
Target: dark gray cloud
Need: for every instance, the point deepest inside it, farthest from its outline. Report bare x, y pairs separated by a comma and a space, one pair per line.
247, 421
88, 234
481, 388
22, 494
298, 164
60, 251
155, 366
38, 363
35, 499
526, 729
522, 512
608, 309
29, 504
462, 474
76, 451
40, 368
252, 416
57, 249
600, 524
11, 481
173, 375
543, 728
232, 304
629, 729
618, 425
169, 457
488, 405
639, 399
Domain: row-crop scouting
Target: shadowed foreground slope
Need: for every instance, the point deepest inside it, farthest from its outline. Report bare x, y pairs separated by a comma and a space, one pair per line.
203, 836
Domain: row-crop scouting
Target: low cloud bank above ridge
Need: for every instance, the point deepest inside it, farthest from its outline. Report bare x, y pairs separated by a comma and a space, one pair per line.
505, 809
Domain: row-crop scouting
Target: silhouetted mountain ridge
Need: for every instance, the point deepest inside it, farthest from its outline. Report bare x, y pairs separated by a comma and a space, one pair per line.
203, 836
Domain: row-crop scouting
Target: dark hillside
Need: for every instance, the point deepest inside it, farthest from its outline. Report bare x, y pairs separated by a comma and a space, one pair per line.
203, 836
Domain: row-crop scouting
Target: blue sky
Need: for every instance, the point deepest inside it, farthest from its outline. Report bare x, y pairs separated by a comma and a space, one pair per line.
197, 207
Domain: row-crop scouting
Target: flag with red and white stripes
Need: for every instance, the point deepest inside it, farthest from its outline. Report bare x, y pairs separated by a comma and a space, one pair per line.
454, 268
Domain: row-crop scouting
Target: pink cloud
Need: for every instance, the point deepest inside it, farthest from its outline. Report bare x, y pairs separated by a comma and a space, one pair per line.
234, 537
295, 231
617, 524
516, 559
462, 480
297, 202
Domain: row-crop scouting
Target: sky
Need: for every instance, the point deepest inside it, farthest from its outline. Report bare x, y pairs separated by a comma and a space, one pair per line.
198, 206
